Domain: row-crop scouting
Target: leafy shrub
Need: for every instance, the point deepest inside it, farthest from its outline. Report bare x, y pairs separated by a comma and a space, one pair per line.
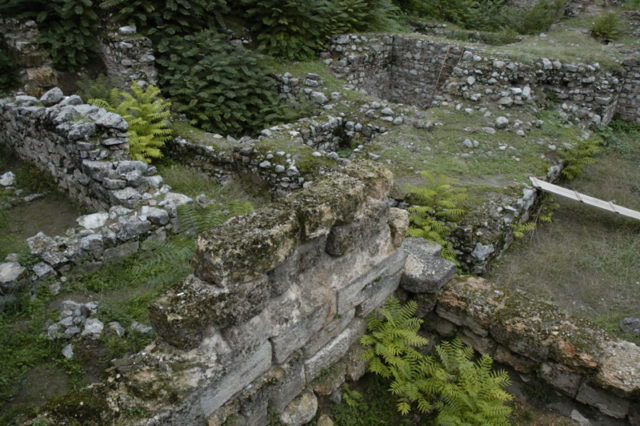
8, 74
579, 156
459, 390
66, 27
606, 28
98, 88
168, 17
437, 208
220, 87
363, 15
540, 17
146, 113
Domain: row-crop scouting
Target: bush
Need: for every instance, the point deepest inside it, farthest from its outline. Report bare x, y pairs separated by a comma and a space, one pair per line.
168, 17
8, 72
66, 27
146, 113
221, 88
606, 28
437, 207
459, 390
540, 17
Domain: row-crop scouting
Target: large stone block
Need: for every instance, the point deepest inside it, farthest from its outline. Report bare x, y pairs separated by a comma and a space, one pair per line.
295, 337
606, 402
290, 382
383, 273
246, 247
188, 308
560, 377
335, 350
329, 332
238, 376
344, 238
425, 271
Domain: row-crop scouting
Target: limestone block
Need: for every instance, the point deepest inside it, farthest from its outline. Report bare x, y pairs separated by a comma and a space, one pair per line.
398, 224
619, 368
425, 271
606, 402
484, 345
517, 362
561, 378
329, 332
296, 336
301, 410
335, 350
290, 382
246, 247
383, 273
238, 376
378, 180
188, 308
344, 238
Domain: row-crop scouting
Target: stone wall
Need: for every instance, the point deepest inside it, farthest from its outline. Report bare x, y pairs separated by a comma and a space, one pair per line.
575, 357
629, 101
275, 306
405, 69
128, 57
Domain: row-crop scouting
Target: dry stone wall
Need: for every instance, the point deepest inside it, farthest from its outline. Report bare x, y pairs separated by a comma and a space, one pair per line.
575, 357
405, 69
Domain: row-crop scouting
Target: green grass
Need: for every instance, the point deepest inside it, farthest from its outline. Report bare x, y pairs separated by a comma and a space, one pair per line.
587, 260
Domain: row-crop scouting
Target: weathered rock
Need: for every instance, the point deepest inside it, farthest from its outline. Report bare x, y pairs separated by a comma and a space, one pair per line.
606, 402
121, 251
398, 224
117, 328
41, 243
8, 179
52, 96
561, 378
93, 221
630, 325
425, 271
132, 227
92, 328
140, 328
301, 410
501, 122
67, 351
42, 270
10, 272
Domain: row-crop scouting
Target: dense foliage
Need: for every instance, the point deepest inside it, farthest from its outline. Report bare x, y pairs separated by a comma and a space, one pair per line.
220, 87
168, 17
458, 390
66, 27
8, 73
435, 211
491, 15
606, 28
146, 113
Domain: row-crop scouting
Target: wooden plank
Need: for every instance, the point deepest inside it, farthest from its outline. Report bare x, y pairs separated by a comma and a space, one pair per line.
586, 199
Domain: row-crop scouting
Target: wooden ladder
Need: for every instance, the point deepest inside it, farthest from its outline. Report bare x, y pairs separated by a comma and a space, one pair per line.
442, 68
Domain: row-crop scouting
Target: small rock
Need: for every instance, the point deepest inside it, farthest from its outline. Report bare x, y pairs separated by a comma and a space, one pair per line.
54, 288
501, 122
630, 325
467, 143
116, 328
301, 410
546, 64
140, 328
10, 272
71, 331
52, 331
92, 328
319, 97
325, 420
42, 270
398, 120
129, 29
386, 111
8, 179
52, 97
67, 351
579, 418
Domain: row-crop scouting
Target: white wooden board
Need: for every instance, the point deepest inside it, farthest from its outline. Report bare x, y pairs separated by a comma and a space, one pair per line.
577, 196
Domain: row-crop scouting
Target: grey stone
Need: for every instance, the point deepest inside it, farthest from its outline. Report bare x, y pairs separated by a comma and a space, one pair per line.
117, 328
561, 378
52, 96
290, 382
71, 331
67, 351
177, 199
319, 97
301, 410
40, 243
630, 325
245, 371
42, 270
425, 271
481, 251
8, 179
579, 418
328, 333
127, 30
140, 328
505, 101
501, 122
10, 272
296, 336
24, 100
93, 244
121, 251
606, 402
110, 120
92, 328
97, 170
125, 167
386, 111
132, 227
335, 350
546, 64
128, 197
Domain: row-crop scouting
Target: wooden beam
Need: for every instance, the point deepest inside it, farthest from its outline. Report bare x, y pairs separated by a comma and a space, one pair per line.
577, 196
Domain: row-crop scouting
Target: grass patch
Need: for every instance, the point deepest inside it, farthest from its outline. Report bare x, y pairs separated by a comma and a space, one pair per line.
587, 260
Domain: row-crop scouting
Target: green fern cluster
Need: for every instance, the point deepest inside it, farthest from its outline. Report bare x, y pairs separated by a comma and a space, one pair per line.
221, 88
147, 115
67, 28
606, 28
451, 385
579, 156
437, 208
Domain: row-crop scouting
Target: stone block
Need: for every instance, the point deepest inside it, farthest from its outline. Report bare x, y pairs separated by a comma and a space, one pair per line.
335, 350
619, 368
517, 362
398, 224
246, 247
329, 332
344, 238
290, 382
183, 313
561, 378
484, 345
382, 274
301, 410
298, 334
120, 252
242, 373
604, 401
425, 271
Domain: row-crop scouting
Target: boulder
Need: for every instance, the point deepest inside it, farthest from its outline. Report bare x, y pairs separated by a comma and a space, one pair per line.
301, 410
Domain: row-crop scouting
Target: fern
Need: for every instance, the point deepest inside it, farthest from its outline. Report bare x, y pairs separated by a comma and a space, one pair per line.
147, 115
436, 211
451, 384
578, 157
